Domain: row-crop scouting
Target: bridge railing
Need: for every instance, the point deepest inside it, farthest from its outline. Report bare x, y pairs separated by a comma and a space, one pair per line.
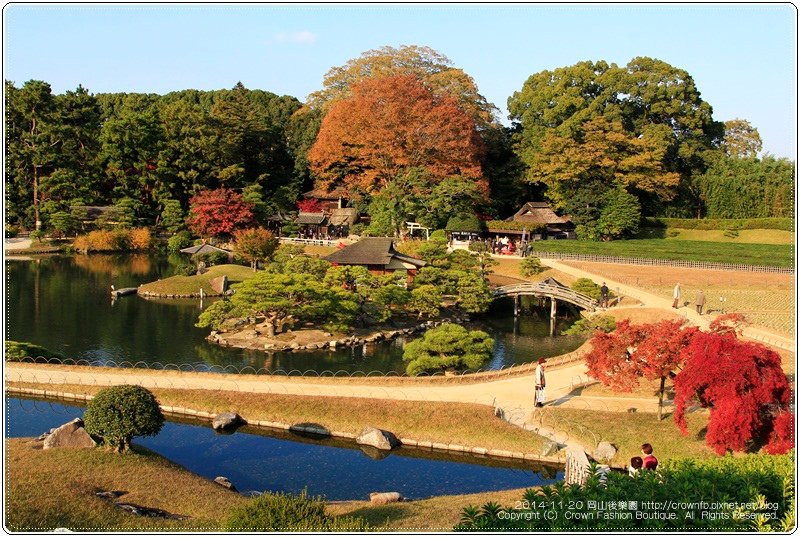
560, 293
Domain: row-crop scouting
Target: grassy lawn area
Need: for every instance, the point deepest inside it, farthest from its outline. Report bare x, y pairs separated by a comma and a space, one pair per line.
745, 236
56, 488
629, 430
184, 285
778, 255
448, 423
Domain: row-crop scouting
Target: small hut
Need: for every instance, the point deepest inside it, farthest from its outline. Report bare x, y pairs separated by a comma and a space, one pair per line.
378, 255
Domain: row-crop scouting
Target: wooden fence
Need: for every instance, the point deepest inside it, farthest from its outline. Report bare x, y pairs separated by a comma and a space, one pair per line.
660, 262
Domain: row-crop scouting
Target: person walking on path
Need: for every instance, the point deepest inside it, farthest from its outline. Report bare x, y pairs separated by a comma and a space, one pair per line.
539, 382
649, 461
676, 295
700, 301
604, 295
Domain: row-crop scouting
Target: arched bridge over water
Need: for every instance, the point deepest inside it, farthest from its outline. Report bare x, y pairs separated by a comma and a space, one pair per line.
549, 288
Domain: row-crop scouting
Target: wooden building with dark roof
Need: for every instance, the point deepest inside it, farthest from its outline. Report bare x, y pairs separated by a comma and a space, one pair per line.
378, 255
539, 221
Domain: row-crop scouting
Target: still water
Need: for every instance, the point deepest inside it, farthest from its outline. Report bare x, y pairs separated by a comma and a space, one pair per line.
280, 462
63, 303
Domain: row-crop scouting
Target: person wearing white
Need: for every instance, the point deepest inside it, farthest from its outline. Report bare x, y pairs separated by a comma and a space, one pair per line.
676, 295
539, 382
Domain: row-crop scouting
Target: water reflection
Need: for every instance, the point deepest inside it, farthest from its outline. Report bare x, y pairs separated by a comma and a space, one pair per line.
63, 304
255, 459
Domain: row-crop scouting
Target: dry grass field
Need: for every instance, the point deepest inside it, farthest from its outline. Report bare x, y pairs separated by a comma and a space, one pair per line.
767, 300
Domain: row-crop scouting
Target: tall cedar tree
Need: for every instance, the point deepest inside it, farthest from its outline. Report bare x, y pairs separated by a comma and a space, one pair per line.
389, 125
217, 213
742, 383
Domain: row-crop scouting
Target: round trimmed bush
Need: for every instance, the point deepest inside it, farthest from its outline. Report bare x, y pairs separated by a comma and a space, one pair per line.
119, 413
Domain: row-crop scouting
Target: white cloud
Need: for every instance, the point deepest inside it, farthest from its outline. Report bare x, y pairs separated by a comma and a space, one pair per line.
302, 38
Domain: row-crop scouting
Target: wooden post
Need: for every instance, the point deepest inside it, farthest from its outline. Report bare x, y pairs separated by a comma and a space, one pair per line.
516, 305
552, 315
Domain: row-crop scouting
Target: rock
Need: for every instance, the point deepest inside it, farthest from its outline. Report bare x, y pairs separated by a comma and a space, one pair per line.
109, 494
150, 512
499, 413
550, 448
227, 421
377, 438
604, 451
333, 344
70, 435
382, 498
225, 482
219, 284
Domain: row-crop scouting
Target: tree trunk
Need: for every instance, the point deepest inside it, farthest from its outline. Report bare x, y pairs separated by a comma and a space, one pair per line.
661, 398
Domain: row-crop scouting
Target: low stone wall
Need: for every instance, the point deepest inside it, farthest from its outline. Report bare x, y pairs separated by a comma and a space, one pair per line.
148, 294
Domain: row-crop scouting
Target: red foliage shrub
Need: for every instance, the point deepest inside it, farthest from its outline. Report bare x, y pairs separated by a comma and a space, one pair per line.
782, 437
309, 206
218, 212
742, 383
730, 323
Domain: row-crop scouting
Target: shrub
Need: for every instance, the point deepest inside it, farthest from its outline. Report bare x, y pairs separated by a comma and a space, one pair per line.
741, 488
284, 512
37, 236
426, 300
119, 413
211, 258
590, 325
180, 240
140, 238
185, 269
448, 346
19, 350
104, 241
465, 223
11, 231
531, 266
587, 287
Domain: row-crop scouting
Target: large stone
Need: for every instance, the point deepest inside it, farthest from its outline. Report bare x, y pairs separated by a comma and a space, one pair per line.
69, 435
382, 498
219, 284
604, 451
225, 482
550, 448
378, 438
227, 421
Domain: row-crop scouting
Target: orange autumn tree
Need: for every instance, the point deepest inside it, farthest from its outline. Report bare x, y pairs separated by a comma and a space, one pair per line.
390, 125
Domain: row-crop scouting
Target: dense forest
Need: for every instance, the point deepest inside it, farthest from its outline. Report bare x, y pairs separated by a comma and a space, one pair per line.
408, 135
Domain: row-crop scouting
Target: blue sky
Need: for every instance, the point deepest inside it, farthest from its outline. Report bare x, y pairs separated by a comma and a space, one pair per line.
742, 57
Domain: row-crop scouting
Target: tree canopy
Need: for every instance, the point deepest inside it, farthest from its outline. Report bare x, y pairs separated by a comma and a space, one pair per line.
390, 125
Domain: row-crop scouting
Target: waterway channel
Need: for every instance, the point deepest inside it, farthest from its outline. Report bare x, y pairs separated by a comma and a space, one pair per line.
262, 460
63, 303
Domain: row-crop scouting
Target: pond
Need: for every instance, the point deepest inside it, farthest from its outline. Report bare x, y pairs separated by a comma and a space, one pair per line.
255, 459
63, 303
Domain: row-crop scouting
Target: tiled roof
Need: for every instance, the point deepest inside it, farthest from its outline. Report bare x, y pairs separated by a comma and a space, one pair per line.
371, 251
310, 218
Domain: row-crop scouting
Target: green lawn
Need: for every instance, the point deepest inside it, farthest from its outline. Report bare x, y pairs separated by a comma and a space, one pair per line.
184, 285
778, 255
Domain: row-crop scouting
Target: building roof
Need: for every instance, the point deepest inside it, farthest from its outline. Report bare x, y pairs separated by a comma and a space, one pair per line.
203, 249
310, 218
322, 193
373, 251
538, 212
278, 217
343, 217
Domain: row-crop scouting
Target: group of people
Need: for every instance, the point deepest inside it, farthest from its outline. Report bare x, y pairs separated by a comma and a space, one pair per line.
699, 301
647, 461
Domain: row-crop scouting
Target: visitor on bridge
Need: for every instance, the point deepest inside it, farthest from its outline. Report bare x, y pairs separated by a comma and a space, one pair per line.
539, 382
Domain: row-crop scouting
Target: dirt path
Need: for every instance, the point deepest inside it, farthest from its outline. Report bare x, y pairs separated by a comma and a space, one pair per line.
17, 244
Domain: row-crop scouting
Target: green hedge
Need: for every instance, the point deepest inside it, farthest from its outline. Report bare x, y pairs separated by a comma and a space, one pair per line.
720, 224
502, 225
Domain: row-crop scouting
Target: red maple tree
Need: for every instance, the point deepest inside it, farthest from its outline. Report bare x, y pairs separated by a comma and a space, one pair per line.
390, 124
217, 213
310, 206
782, 436
651, 351
742, 383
